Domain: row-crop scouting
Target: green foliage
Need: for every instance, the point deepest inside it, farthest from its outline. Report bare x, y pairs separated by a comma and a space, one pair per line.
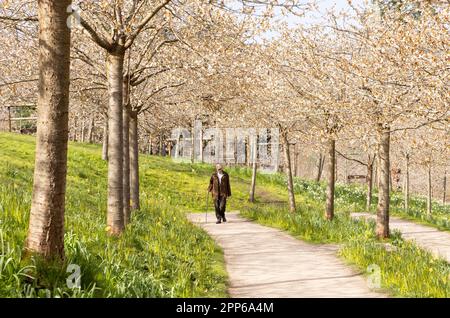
161, 254
439, 218
406, 270
309, 223
352, 198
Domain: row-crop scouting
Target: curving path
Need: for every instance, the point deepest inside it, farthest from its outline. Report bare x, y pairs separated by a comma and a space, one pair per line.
430, 238
264, 262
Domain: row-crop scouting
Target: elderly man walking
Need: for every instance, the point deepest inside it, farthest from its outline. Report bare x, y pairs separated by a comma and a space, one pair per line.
219, 186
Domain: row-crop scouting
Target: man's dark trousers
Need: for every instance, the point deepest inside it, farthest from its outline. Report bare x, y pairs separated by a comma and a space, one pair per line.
220, 204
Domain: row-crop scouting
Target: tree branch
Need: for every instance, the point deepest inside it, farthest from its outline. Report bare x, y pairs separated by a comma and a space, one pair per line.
144, 22
351, 159
97, 38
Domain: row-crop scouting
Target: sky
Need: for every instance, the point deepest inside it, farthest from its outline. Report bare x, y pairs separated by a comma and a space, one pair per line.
316, 17
324, 7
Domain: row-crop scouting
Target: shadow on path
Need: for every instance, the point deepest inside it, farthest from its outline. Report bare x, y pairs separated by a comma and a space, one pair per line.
266, 262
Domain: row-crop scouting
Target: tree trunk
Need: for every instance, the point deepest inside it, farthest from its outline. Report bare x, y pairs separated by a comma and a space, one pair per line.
287, 158
193, 143
369, 180
329, 213
105, 140
254, 168
376, 174
382, 229
134, 162
201, 144
295, 164
150, 150
115, 218
164, 148
9, 120
445, 188
91, 130
75, 124
406, 191
335, 169
126, 165
429, 192
247, 152
391, 184
320, 167
169, 152
126, 152
46, 225
82, 131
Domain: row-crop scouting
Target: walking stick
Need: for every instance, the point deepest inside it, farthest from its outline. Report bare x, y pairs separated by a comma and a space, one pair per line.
206, 212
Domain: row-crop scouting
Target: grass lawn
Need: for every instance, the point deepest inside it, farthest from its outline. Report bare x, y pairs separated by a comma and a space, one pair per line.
161, 254
405, 269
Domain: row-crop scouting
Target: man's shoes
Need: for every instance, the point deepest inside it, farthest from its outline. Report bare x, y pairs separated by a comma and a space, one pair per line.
224, 219
218, 222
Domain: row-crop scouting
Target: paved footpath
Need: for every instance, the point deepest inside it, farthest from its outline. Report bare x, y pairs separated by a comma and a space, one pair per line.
430, 238
264, 262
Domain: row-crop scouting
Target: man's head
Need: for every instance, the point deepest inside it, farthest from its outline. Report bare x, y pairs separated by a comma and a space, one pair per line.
219, 167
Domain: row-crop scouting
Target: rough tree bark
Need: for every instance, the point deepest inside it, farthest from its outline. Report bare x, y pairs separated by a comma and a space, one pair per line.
46, 225
369, 181
105, 140
336, 169
254, 170
91, 130
193, 143
134, 162
115, 220
9, 120
406, 190
429, 192
150, 148
126, 152
169, 150
445, 188
247, 152
290, 183
82, 130
329, 212
75, 131
376, 178
201, 145
320, 167
116, 46
382, 228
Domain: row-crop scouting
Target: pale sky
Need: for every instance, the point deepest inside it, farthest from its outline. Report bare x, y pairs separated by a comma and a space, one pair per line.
324, 7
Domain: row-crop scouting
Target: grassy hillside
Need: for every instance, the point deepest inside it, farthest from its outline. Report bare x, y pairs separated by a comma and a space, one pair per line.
352, 198
161, 254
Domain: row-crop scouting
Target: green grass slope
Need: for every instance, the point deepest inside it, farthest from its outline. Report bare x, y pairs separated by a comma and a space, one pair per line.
401, 267
160, 255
